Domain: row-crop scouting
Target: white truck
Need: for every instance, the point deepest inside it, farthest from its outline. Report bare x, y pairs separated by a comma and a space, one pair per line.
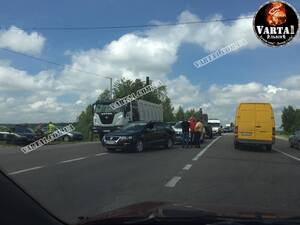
106, 119
216, 126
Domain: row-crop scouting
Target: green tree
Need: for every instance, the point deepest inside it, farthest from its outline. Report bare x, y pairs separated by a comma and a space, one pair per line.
85, 122
124, 87
105, 95
179, 115
168, 110
288, 118
189, 113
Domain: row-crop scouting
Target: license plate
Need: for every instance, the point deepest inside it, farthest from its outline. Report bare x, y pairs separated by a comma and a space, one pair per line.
110, 142
106, 131
246, 134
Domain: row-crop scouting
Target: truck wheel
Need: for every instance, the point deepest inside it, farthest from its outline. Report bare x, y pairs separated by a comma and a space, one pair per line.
269, 147
139, 146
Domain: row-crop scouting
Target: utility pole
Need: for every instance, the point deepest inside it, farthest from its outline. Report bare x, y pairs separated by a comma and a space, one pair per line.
111, 92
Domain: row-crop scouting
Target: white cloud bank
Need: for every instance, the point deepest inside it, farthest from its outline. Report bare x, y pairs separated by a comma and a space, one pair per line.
20, 41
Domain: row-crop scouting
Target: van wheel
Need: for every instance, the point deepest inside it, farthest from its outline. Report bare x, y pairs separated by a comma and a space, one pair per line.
269, 147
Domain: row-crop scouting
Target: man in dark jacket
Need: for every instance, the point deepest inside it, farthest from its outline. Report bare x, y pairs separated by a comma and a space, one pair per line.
185, 133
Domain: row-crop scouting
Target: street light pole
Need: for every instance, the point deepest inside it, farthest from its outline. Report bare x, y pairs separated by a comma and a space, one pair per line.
111, 93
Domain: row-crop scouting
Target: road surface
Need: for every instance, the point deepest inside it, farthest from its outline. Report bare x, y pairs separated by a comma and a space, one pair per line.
82, 179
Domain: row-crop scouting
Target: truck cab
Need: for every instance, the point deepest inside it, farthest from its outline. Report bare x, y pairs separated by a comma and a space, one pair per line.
216, 126
106, 119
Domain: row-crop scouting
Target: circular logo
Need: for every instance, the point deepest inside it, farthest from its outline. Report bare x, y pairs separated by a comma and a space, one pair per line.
276, 23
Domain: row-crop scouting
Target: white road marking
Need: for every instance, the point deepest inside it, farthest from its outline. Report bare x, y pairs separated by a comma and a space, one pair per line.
173, 182
187, 167
26, 170
286, 154
100, 154
72, 160
205, 149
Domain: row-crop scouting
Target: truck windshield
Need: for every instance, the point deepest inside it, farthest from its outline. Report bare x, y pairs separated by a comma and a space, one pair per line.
105, 108
214, 124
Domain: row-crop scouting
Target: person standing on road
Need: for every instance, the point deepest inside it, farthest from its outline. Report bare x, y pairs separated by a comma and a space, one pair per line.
51, 128
192, 122
185, 133
198, 133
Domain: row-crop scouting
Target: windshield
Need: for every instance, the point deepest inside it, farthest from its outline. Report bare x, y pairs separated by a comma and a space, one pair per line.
178, 125
100, 108
112, 103
134, 126
215, 124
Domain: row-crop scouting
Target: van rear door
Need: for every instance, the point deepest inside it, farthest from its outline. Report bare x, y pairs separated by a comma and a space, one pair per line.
263, 124
246, 121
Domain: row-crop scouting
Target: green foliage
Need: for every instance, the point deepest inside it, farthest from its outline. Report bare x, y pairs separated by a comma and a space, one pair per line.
290, 119
189, 113
105, 95
168, 110
179, 115
85, 122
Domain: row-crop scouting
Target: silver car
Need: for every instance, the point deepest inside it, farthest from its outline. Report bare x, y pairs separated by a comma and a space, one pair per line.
295, 139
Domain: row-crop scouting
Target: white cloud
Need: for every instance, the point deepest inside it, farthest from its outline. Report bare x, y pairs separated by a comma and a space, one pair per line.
292, 82
20, 41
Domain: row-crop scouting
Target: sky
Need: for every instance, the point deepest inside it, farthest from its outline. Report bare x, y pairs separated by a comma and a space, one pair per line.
35, 91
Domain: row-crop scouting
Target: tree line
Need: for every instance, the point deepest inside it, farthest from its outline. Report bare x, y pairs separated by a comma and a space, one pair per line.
290, 119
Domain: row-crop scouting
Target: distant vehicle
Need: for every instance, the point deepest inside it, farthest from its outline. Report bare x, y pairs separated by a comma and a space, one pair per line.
4, 132
71, 136
216, 126
254, 124
21, 134
138, 136
294, 139
107, 120
228, 128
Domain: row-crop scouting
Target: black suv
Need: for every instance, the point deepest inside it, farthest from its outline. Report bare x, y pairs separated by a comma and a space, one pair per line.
139, 136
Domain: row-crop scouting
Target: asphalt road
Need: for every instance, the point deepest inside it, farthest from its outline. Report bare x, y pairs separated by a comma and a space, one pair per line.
84, 180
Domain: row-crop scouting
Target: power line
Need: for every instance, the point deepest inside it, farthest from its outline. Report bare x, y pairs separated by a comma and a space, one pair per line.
51, 62
127, 26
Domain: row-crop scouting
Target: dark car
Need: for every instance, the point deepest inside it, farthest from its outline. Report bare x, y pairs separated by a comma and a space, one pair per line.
21, 135
139, 136
295, 139
4, 132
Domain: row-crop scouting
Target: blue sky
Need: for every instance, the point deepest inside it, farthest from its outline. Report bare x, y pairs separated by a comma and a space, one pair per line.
257, 65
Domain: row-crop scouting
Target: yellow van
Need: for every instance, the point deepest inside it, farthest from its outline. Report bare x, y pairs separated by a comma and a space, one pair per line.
254, 124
